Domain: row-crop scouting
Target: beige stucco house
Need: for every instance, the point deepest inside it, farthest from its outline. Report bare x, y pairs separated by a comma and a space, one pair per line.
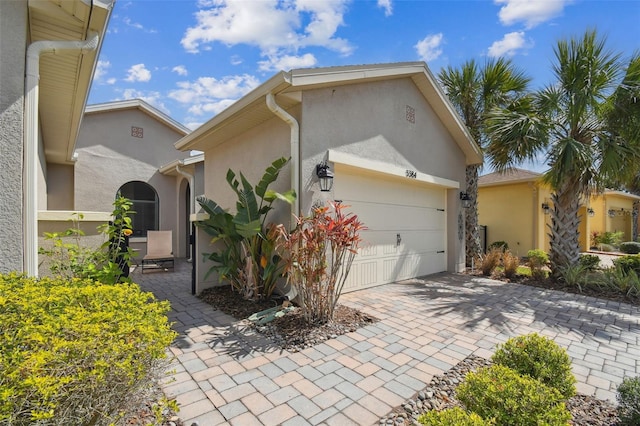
393, 141
48, 50
515, 206
120, 149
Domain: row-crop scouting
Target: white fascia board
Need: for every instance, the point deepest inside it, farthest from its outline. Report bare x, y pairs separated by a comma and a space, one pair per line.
389, 169
622, 194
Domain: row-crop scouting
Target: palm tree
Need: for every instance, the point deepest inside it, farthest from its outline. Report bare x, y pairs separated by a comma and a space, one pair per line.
583, 125
474, 92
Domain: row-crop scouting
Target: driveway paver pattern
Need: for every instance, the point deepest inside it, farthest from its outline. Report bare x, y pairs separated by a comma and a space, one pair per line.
224, 373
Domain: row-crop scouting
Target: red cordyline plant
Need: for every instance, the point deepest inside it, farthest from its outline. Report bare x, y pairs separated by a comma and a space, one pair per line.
321, 250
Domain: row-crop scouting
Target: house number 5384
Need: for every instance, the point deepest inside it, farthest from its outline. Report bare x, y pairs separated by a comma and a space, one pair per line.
411, 174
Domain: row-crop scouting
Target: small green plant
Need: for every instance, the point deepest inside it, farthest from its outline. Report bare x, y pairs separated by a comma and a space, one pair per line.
630, 247
590, 262
502, 245
452, 417
575, 276
73, 352
538, 260
511, 264
500, 393
628, 396
619, 279
489, 261
609, 238
540, 358
247, 257
321, 250
628, 263
108, 264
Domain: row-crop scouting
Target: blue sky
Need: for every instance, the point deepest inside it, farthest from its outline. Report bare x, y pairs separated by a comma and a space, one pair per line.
191, 59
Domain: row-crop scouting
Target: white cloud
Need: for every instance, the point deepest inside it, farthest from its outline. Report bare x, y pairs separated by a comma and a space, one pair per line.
509, 45
151, 97
180, 70
429, 47
387, 6
102, 68
288, 62
138, 72
531, 13
138, 26
210, 95
271, 25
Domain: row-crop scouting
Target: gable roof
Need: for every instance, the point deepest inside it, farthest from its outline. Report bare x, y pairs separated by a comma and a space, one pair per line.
511, 176
251, 110
142, 106
65, 78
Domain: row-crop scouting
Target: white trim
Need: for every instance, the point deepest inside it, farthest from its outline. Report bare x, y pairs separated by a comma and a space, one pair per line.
65, 215
389, 169
620, 194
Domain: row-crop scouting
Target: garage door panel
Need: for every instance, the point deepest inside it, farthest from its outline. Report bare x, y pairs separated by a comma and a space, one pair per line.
406, 221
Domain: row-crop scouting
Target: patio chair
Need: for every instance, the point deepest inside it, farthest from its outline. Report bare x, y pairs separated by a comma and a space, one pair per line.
159, 251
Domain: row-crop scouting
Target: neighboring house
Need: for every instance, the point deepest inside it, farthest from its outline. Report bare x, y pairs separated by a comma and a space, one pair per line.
515, 207
120, 148
49, 50
393, 141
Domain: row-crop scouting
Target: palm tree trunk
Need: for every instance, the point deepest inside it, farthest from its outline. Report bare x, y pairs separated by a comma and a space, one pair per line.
472, 240
565, 224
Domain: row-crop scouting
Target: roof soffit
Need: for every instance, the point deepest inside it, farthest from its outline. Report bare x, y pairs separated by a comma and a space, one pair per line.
65, 77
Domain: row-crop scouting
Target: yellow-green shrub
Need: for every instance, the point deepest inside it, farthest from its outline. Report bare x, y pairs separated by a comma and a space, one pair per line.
452, 417
73, 351
500, 393
540, 358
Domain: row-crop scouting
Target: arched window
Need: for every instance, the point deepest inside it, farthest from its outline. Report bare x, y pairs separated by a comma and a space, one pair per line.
145, 205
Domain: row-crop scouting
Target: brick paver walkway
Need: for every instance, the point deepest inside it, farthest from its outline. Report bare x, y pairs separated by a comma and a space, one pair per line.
226, 374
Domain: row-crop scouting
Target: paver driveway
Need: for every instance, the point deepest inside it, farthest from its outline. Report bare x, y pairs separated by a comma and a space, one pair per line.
226, 374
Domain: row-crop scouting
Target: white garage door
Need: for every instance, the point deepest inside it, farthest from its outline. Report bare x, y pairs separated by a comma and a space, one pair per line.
406, 226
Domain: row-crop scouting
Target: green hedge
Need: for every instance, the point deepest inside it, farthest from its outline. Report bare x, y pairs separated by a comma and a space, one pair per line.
500, 393
540, 358
73, 352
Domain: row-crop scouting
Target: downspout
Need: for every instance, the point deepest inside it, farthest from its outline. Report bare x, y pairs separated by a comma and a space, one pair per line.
192, 201
295, 148
31, 136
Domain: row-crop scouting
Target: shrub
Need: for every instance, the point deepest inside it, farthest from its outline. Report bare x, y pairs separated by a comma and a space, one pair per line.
500, 393
321, 250
511, 263
622, 280
609, 238
628, 263
540, 358
109, 264
452, 417
247, 255
630, 247
74, 352
591, 262
574, 275
628, 396
537, 260
502, 245
489, 261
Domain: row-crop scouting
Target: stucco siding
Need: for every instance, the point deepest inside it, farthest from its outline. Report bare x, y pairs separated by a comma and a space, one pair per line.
13, 42
385, 121
508, 212
107, 149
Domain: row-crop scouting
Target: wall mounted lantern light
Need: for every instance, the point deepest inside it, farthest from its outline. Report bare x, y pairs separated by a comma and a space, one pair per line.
466, 200
591, 212
545, 208
325, 176
611, 213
